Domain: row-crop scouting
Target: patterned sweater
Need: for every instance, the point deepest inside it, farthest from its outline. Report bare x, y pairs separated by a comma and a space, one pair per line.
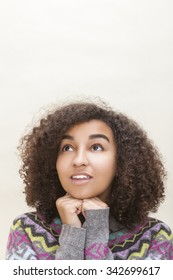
100, 237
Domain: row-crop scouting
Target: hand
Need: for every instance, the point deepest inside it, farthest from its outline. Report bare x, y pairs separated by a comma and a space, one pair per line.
69, 208
93, 203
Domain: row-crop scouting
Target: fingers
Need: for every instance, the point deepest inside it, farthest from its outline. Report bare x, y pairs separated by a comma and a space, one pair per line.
69, 204
69, 208
93, 203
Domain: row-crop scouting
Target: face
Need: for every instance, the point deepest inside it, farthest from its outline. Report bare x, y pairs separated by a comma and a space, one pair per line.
86, 163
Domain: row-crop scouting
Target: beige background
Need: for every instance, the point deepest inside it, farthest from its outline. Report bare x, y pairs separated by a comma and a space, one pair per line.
49, 50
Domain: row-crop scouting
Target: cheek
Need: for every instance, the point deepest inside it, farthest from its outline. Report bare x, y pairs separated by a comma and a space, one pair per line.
107, 169
107, 163
61, 163
61, 168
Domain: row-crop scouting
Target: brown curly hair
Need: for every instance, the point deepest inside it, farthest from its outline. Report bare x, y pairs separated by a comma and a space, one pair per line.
138, 187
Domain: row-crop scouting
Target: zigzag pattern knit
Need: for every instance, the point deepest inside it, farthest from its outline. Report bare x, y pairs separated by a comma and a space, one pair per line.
32, 238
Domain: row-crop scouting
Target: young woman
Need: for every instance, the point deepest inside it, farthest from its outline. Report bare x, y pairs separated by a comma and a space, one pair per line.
92, 176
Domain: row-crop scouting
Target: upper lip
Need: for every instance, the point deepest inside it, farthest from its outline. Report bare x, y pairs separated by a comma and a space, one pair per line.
81, 173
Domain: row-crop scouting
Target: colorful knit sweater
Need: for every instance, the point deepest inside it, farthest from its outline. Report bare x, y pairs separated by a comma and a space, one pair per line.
100, 237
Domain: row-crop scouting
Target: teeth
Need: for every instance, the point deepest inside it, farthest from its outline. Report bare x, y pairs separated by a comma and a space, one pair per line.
80, 177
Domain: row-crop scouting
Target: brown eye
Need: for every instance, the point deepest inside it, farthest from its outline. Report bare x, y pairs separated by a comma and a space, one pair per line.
67, 148
97, 147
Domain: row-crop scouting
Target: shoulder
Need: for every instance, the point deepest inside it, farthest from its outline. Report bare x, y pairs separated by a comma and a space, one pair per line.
157, 226
161, 231
148, 231
151, 239
154, 228
20, 220
36, 220
149, 225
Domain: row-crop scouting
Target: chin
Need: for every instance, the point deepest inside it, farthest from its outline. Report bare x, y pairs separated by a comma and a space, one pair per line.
80, 196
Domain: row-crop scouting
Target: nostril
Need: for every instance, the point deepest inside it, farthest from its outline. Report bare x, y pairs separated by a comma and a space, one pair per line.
80, 161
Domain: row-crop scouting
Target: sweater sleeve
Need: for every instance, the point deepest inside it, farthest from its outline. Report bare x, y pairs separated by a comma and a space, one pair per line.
72, 243
19, 246
97, 235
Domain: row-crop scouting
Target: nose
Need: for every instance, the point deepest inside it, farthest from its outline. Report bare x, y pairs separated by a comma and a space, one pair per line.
80, 159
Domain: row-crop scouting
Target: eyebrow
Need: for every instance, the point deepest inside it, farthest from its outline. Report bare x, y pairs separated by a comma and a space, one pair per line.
92, 136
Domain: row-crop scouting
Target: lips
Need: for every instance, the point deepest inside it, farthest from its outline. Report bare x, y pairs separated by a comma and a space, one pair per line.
81, 178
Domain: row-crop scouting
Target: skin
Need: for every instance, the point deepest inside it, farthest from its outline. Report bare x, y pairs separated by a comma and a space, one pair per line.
87, 149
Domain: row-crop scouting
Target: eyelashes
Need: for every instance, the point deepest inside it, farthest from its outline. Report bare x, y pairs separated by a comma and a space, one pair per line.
95, 147
66, 148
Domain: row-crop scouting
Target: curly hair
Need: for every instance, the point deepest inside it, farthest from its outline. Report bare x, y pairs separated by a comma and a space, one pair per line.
138, 187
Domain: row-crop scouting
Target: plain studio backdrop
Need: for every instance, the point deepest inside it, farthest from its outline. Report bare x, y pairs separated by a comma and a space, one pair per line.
51, 50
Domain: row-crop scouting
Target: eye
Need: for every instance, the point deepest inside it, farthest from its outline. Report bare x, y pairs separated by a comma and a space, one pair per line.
67, 148
97, 147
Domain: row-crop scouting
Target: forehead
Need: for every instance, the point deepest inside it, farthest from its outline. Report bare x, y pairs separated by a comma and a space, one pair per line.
91, 127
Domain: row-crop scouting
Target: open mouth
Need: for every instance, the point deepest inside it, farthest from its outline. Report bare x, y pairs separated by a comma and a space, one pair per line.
80, 179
